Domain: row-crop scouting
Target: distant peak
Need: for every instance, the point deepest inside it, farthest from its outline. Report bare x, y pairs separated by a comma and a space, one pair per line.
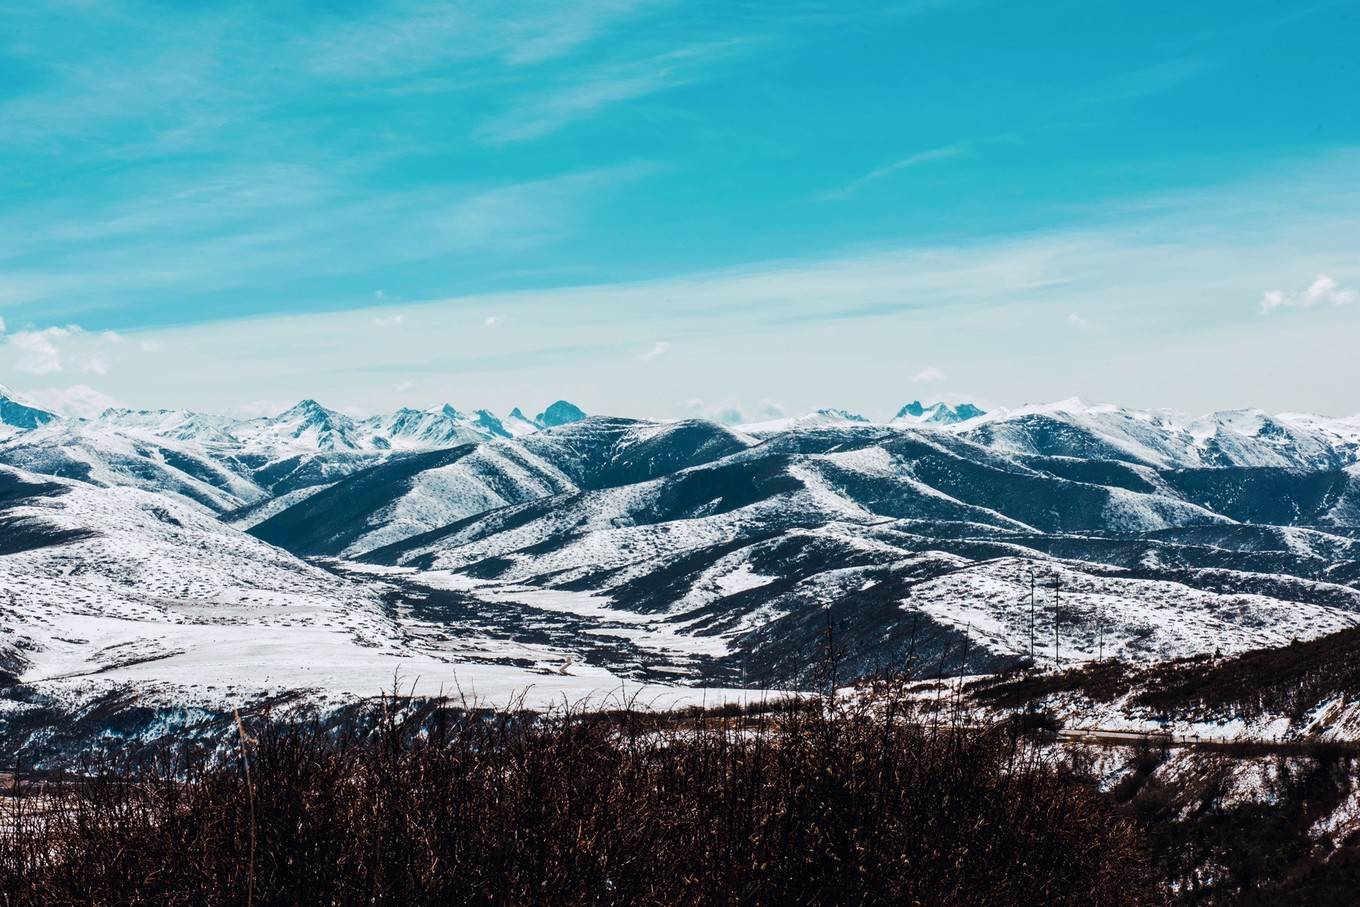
560, 413
303, 407
966, 411
448, 410
310, 413
490, 422
841, 414
938, 413
517, 413
914, 408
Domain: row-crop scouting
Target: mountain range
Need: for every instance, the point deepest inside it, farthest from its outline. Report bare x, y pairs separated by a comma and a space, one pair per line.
205, 559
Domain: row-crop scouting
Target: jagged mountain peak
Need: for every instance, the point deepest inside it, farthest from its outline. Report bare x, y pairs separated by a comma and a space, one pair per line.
842, 414
489, 422
914, 409
939, 413
306, 407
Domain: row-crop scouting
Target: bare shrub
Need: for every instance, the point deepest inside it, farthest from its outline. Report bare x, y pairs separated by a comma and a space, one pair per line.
430, 804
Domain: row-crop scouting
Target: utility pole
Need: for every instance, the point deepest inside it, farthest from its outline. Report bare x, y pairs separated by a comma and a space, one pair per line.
1057, 659
1031, 616
1100, 631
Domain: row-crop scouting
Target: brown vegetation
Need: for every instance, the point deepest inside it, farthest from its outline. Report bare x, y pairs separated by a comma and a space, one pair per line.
837, 804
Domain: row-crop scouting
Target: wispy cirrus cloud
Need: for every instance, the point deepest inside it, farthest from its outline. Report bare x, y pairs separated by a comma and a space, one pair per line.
581, 95
124, 245
919, 159
405, 36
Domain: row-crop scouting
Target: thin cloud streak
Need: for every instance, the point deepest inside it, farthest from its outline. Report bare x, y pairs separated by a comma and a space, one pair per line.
933, 155
583, 95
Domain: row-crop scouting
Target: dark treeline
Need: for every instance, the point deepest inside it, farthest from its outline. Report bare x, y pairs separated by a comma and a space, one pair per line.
823, 804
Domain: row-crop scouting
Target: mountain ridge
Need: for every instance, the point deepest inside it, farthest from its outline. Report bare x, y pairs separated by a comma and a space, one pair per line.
685, 552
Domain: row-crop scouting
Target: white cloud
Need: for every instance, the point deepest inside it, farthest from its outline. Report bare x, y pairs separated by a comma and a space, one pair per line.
834, 329
771, 409
390, 321
658, 349
1322, 291
1078, 321
928, 375
731, 411
404, 386
2, 325
491, 321
256, 408
36, 352
79, 401
728, 412
149, 346
45, 351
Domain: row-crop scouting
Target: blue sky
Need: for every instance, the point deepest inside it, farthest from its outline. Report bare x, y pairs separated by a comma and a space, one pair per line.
667, 208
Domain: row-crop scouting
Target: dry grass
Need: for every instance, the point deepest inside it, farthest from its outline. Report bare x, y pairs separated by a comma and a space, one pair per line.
430, 804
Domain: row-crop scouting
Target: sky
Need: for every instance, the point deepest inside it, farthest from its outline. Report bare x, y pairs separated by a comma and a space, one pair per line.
665, 209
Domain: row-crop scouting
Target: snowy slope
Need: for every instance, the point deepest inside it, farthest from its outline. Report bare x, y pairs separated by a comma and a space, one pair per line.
820, 418
17, 415
91, 453
108, 589
96, 577
309, 426
1113, 617
1075, 428
410, 495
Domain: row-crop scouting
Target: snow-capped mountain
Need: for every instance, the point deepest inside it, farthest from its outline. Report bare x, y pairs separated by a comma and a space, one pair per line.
174, 424
917, 413
730, 558
677, 552
17, 415
559, 413
90, 453
1074, 428
826, 416
430, 429
309, 426
518, 425
410, 495
236, 465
